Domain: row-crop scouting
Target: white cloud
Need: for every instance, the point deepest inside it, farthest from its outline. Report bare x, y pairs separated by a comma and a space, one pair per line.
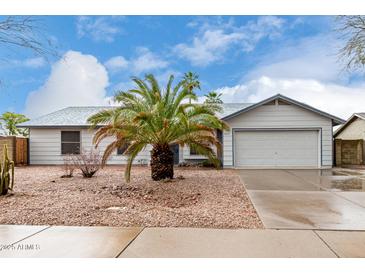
162, 79
212, 41
207, 48
103, 28
253, 32
143, 61
308, 58
147, 61
306, 70
116, 63
333, 98
75, 80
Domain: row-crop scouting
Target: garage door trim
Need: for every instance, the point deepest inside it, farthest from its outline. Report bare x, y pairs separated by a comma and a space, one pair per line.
319, 129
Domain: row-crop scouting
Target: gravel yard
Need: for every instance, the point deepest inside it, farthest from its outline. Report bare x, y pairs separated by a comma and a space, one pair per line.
196, 198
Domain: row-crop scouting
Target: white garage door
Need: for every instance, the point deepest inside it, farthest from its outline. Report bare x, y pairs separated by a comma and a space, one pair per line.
291, 148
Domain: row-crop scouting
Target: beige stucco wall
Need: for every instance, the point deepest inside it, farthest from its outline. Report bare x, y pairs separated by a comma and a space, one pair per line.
353, 131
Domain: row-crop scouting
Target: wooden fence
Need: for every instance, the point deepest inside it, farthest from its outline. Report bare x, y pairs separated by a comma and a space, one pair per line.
17, 149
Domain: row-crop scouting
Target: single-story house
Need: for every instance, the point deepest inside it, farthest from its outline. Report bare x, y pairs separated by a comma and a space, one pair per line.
350, 141
277, 132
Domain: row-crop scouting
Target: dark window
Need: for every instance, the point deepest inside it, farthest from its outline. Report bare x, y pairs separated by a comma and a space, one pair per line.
121, 149
70, 142
193, 151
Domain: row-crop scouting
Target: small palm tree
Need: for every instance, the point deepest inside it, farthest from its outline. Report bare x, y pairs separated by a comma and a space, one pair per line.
191, 82
213, 98
11, 120
148, 115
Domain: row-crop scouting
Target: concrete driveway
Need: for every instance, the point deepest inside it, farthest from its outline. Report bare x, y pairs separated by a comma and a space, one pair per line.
308, 199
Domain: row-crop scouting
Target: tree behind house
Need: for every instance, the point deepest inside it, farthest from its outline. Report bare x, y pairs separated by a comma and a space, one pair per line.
351, 31
191, 82
213, 98
10, 120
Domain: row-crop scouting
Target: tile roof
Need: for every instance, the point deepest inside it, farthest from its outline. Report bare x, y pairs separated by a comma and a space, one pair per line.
77, 116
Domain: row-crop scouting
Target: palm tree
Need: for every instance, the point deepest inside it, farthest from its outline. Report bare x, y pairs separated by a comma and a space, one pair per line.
148, 115
213, 98
10, 120
191, 82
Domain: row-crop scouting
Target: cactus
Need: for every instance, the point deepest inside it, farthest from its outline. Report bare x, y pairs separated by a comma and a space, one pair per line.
6, 173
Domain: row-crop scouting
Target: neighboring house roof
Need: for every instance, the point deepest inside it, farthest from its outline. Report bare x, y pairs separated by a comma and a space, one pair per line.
77, 116
336, 120
360, 115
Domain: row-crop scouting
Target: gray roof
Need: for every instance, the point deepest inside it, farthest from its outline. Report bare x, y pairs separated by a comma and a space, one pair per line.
77, 116
230, 108
70, 116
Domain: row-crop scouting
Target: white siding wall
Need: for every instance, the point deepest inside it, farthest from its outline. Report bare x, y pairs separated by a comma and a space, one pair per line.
45, 144
353, 131
279, 116
45, 147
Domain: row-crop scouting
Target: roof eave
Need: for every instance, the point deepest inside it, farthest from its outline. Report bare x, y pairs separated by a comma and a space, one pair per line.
55, 126
336, 120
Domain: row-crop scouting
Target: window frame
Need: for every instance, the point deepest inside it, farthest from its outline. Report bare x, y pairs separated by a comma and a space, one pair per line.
69, 142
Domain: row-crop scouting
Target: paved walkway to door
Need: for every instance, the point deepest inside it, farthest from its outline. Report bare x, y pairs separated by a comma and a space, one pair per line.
112, 242
308, 199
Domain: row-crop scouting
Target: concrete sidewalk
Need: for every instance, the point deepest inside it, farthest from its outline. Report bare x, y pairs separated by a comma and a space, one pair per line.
112, 242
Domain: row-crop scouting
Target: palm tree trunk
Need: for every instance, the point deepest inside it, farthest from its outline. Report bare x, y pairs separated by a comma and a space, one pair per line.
162, 162
191, 91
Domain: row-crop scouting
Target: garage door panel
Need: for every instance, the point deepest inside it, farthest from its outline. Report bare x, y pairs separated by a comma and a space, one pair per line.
276, 148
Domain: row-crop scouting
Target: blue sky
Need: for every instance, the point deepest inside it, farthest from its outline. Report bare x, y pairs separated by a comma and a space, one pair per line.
247, 58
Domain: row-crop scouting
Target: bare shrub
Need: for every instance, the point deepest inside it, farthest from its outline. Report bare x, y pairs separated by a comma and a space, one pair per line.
68, 166
89, 162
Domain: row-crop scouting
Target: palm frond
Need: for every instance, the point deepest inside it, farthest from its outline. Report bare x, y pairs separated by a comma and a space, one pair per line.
150, 115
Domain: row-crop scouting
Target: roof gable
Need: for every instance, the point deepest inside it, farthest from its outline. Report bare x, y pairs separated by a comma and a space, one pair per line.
335, 119
353, 117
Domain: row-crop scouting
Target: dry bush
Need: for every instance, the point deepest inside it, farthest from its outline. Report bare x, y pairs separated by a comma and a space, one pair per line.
68, 166
89, 162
